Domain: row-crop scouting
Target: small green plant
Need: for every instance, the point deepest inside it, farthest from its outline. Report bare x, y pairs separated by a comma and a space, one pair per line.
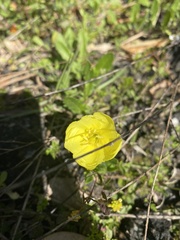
3, 177
54, 148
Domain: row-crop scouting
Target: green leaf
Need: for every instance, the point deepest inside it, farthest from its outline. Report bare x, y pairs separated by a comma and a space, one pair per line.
64, 80
104, 64
74, 104
13, 195
82, 43
112, 165
89, 178
153, 207
36, 5
37, 40
109, 233
144, 3
3, 177
111, 17
135, 12
61, 46
89, 89
175, 6
166, 19
70, 36
111, 80
127, 84
44, 63
86, 70
53, 149
155, 11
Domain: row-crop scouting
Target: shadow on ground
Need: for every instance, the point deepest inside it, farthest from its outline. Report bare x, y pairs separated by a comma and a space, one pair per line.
26, 212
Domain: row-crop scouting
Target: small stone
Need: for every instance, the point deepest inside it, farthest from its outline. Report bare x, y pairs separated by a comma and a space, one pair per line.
175, 122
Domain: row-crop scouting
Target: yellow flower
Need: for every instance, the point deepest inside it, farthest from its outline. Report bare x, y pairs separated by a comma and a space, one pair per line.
75, 216
88, 134
116, 205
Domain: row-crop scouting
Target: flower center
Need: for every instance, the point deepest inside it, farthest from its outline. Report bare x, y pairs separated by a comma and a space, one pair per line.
91, 136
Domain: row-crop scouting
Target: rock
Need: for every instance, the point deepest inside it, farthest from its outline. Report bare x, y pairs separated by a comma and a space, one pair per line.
65, 235
66, 192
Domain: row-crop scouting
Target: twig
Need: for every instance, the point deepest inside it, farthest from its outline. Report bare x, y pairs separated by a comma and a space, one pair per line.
142, 175
177, 135
84, 82
39, 175
141, 216
14, 78
2, 237
159, 163
136, 112
9, 187
27, 196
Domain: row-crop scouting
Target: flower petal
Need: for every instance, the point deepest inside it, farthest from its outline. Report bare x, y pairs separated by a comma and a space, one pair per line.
90, 133
91, 161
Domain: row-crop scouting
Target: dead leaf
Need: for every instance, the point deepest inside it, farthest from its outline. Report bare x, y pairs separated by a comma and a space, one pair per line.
14, 77
14, 46
13, 28
163, 84
102, 48
139, 46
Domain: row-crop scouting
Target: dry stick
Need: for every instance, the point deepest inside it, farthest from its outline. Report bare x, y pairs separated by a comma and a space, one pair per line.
140, 216
159, 163
7, 79
27, 196
17, 79
7, 76
142, 175
177, 135
2, 237
83, 83
15, 149
9, 187
69, 88
49, 171
136, 112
